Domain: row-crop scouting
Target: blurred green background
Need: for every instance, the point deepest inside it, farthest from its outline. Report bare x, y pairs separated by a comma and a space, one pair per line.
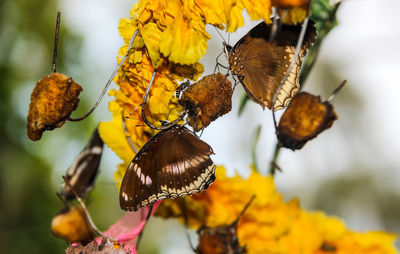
351, 171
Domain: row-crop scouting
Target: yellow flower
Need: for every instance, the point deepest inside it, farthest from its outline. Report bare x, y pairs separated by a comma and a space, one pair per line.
271, 225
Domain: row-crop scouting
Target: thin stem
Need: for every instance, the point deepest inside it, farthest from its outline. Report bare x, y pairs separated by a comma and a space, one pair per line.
126, 135
337, 89
113, 74
274, 160
58, 21
147, 218
82, 204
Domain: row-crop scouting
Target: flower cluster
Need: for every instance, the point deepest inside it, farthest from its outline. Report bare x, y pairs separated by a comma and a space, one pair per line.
271, 225
171, 40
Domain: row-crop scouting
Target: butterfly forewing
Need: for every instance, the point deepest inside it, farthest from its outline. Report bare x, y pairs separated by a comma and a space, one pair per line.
174, 163
83, 171
262, 65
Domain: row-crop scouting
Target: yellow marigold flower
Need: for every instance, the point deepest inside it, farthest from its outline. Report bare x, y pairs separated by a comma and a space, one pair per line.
271, 225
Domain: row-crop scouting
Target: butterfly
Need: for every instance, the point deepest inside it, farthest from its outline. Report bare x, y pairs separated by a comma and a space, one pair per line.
261, 65
83, 171
173, 163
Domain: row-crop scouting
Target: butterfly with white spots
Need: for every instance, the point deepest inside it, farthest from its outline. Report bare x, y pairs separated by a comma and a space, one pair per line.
173, 163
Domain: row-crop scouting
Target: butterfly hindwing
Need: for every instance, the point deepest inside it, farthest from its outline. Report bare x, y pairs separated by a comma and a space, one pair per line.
174, 163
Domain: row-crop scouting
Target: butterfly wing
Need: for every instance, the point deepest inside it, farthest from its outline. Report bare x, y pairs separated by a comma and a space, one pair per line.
174, 163
262, 65
85, 168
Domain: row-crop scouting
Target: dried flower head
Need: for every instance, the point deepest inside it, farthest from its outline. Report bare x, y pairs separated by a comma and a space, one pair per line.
304, 119
206, 100
53, 99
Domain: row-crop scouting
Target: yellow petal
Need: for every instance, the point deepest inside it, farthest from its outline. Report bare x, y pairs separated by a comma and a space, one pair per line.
182, 44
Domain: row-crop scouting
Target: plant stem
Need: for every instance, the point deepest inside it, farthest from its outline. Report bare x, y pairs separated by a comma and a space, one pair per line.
273, 165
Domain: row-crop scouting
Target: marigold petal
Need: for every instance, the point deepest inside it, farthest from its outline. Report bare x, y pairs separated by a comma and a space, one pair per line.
182, 44
113, 135
152, 35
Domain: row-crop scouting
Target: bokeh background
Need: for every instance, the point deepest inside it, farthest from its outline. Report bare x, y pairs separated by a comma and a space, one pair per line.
351, 171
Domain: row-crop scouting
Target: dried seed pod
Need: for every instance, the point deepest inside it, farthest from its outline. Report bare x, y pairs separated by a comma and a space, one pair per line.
53, 99
72, 225
206, 100
106, 246
286, 4
304, 119
222, 239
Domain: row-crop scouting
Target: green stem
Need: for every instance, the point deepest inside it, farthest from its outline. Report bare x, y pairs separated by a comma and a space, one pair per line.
273, 165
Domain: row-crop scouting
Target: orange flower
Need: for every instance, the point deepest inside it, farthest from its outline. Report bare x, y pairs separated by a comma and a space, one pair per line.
271, 225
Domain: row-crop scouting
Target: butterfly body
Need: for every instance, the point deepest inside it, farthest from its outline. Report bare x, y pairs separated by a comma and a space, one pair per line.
173, 163
261, 65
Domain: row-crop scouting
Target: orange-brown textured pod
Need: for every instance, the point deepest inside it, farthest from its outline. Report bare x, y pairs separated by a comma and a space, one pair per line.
53, 99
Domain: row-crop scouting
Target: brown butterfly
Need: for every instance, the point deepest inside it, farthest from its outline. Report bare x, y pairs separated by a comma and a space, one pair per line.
173, 163
261, 65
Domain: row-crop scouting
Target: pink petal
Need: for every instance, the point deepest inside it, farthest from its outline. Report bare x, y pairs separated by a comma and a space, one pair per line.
129, 226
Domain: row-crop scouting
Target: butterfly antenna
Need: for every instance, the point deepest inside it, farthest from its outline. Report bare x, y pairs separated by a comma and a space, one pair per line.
244, 210
337, 89
145, 98
126, 134
83, 206
292, 63
216, 29
58, 21
276, 25
113, 74
139, 239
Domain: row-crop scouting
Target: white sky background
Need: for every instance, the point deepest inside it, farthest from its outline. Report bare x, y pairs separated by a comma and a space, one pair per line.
364, 49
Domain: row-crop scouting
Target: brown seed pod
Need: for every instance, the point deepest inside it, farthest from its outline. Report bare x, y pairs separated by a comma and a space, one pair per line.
106, 246
53, 99
219, 240
206, 100
222, 239
304, 119
286, 4
72, 225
